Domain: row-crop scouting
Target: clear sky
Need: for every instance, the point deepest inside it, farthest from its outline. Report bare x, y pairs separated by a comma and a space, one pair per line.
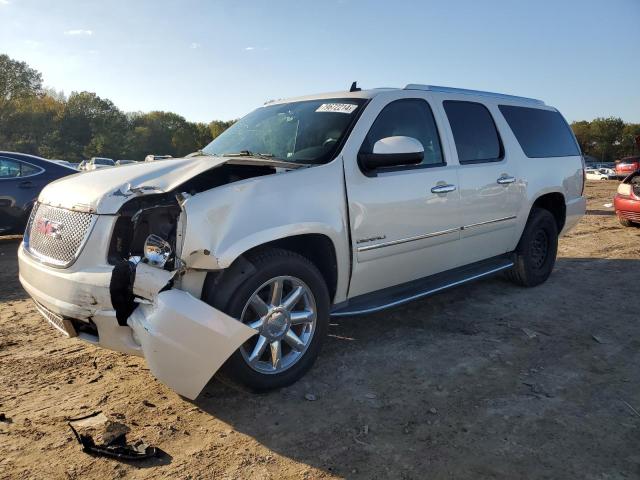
219, 59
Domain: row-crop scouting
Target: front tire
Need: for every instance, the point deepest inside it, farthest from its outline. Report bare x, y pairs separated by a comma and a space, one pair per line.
536, 252
286, 299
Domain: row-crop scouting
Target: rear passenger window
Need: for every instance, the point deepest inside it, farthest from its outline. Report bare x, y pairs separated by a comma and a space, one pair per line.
541, 133
411, 117
474, 132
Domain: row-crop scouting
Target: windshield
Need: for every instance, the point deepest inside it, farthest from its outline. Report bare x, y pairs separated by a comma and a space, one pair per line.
304, 132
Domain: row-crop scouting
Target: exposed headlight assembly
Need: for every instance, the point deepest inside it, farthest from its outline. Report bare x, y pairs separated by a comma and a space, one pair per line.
157, 251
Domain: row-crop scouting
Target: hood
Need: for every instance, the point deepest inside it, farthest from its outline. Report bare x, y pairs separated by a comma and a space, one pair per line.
105, 190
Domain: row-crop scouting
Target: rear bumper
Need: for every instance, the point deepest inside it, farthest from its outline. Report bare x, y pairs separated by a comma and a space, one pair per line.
575, 210
627, 208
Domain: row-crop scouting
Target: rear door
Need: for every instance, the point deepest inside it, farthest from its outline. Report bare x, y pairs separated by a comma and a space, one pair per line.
491, 193
401, 228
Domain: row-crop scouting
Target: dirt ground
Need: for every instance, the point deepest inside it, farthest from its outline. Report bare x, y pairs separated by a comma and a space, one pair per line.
485, 381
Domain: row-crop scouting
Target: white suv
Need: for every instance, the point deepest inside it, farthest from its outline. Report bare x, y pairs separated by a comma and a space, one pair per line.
337, 204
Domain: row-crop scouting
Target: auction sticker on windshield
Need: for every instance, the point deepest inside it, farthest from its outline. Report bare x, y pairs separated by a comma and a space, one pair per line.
337, 107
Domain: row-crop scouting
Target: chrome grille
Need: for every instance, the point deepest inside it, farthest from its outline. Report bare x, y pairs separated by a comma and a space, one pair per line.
56, 235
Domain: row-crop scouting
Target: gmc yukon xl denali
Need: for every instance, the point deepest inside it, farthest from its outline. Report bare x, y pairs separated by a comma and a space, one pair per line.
235, 257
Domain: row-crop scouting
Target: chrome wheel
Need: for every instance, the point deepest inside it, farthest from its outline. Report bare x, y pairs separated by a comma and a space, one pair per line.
284, 312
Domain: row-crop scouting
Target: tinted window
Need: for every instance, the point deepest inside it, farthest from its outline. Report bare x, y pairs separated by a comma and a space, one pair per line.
407, 118
474, 132
541, 133
26, 170
9, 168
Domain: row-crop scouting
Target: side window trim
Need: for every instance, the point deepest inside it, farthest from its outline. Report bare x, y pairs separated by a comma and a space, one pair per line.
502, 152
421, 166
39, 170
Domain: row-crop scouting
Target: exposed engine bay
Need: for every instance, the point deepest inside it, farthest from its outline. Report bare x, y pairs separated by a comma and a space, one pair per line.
155, 218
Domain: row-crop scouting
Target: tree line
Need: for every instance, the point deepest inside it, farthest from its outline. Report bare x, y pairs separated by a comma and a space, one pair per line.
46, 123
607, 139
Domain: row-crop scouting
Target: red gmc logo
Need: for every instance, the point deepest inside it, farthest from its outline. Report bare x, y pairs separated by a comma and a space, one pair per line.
49, 228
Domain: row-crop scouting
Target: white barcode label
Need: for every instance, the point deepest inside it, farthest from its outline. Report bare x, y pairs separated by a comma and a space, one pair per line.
337, 107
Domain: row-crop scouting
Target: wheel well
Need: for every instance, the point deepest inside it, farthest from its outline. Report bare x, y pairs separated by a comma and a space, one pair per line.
554, 203
316, 248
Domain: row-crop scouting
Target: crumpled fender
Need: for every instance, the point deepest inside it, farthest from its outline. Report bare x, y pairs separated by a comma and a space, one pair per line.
184, 340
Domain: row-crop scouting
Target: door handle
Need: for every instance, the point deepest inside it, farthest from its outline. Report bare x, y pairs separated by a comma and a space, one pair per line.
443, 189
506, 180
25, 184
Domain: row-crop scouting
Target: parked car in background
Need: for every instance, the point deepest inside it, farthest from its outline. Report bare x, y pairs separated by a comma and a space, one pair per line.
627, 166
125, 162
153, 158
609, 172
593, 174
94, 163
64, 163
327, 205
627, 200
22, 177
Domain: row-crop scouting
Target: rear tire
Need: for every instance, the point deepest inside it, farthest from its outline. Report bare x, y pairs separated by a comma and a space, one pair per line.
536, 252
294, 271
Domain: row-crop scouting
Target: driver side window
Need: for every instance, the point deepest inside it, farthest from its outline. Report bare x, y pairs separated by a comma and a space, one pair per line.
410, 117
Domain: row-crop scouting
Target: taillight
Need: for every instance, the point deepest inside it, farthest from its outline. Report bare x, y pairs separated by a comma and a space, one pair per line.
624, 189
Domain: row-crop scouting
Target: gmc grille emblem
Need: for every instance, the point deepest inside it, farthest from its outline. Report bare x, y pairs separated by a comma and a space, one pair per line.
49, 228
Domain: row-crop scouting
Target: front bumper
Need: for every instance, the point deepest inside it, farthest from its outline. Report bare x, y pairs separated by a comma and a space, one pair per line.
184, 340
82, 294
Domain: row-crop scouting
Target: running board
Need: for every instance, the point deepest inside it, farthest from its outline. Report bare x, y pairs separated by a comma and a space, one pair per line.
423, 287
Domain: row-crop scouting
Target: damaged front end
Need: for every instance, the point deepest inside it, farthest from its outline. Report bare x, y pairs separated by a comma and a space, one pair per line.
184, 340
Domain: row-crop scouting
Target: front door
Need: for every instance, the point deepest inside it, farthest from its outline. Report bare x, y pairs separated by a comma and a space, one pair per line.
404, 220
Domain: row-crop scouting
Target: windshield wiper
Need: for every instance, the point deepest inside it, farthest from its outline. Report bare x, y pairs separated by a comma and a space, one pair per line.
247, 153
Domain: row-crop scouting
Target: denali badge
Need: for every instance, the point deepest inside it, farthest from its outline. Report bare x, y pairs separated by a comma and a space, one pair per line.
49, 228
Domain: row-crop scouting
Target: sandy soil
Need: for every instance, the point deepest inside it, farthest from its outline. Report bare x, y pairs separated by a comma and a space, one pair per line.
485, 381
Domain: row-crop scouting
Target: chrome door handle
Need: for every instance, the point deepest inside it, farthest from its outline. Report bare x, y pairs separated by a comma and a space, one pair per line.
505, 180
443, 189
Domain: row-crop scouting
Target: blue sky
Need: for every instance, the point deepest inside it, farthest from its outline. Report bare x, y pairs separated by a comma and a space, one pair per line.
218, 60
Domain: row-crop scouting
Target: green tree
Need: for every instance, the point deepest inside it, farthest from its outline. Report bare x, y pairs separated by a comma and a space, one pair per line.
607, 133
18, 80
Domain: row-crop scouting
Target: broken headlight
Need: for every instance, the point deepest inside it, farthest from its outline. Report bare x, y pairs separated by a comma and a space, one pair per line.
156, 250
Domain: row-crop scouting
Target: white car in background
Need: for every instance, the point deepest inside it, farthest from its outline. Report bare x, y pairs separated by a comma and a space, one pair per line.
96, 163
337, 204
593, 174
153, 158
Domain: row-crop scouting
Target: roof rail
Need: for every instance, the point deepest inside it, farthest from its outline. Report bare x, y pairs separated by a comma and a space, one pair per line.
464, 91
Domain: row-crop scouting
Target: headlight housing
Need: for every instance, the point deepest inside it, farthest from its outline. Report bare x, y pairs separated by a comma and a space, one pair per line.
157, 250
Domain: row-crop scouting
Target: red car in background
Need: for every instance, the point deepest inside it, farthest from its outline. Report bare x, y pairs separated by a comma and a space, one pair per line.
627, 166
627, 200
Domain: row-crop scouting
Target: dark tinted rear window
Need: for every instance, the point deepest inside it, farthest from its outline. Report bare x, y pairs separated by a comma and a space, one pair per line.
473, 131
541, 133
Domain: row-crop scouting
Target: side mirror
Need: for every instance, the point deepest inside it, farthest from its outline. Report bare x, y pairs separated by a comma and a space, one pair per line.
393, 152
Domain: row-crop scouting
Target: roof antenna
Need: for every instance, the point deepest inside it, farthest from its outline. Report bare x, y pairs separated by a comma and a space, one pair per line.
355, 87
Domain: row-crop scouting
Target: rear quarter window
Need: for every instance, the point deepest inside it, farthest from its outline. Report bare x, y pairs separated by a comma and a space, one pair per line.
541, 133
